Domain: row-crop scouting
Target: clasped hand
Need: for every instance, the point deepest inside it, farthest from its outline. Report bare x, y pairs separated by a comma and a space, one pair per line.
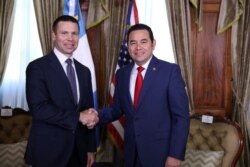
89, 118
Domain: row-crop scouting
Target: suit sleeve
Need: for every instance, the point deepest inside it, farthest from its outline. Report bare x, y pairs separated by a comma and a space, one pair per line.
113, 111
179, 108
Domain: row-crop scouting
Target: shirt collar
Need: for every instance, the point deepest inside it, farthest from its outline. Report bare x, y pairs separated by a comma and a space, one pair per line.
61, 57
145, 66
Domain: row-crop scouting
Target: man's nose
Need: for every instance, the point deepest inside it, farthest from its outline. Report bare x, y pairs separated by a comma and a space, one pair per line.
70, 36
138, 46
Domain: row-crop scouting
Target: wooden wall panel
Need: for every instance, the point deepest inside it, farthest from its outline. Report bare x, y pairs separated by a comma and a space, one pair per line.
211, 65
97, 46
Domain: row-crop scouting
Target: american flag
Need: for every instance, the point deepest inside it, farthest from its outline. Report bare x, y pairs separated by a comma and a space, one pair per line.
116, 128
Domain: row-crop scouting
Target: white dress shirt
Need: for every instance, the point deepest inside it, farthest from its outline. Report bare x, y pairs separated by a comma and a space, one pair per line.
62, 58
133, 76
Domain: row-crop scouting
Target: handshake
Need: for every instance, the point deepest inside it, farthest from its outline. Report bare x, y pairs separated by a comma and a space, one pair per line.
89, 118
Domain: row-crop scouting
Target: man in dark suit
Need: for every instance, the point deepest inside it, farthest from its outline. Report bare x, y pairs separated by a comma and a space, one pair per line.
58, 136
157, 126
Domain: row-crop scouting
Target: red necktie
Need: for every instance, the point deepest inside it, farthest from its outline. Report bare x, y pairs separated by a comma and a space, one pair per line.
138, 85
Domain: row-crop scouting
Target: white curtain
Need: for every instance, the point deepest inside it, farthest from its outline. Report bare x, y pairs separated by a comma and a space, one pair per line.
25, 46
155, 15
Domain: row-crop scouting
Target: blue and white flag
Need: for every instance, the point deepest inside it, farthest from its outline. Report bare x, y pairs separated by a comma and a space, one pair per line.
82, 53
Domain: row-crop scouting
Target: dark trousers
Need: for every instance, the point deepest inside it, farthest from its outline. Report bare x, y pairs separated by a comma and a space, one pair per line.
75, 160
137, 162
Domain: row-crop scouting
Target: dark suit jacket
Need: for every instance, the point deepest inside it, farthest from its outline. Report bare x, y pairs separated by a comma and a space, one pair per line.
160, 125
55, 127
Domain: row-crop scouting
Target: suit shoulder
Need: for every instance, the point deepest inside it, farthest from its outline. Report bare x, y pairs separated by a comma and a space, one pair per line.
125, 68
41, 60
80, 67
37, 63
168, 65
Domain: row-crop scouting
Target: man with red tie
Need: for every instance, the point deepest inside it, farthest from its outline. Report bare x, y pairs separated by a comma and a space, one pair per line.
151, 94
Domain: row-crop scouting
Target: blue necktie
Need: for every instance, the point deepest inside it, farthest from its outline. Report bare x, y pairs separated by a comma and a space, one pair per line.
72, 78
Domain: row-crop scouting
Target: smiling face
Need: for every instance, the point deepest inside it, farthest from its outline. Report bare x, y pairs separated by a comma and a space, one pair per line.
65, 37
140, 46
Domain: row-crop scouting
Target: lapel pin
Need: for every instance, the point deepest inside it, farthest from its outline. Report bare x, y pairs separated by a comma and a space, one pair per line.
154, 68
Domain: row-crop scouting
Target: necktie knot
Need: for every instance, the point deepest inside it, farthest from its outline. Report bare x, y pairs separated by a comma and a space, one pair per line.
69, 61
140, 69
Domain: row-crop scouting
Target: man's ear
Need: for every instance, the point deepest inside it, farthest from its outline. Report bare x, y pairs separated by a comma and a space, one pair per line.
53, 36
154, 43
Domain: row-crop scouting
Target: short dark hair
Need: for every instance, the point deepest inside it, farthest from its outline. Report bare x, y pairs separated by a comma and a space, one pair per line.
141, 27
64, 18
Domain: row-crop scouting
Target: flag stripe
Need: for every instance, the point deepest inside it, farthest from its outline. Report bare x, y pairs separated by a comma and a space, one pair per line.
135, 12
115, 137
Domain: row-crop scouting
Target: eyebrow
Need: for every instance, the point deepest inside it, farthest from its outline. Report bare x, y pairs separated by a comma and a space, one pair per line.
144, 39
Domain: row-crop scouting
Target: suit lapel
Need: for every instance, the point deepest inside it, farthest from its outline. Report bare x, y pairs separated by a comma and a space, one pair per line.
148, 79
60, 73
81, 81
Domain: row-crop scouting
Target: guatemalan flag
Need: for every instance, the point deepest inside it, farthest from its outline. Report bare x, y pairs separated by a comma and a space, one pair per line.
82, 53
